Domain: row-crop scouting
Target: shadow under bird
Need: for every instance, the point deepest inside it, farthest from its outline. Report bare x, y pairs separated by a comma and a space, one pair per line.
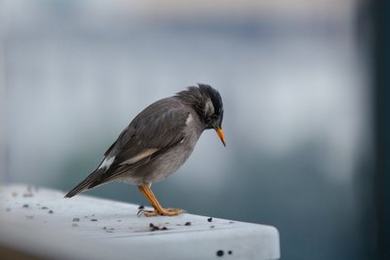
157, 142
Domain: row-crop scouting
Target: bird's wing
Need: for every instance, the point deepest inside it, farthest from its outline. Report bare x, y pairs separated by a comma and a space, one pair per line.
156, 129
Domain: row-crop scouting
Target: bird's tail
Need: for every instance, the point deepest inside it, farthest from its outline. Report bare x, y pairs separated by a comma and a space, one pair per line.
90, 182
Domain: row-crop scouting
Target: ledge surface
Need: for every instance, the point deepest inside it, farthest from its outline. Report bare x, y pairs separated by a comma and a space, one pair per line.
40, 222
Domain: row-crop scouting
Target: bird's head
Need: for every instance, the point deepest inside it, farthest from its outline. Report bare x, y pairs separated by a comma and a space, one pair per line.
207, 102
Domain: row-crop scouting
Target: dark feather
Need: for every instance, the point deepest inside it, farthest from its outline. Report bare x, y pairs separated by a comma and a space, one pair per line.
158, 126
85, 184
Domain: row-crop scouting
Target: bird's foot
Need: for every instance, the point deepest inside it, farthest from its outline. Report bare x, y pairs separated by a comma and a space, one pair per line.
163, 212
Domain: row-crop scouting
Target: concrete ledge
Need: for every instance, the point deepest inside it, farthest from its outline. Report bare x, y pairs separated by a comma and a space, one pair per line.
41, 223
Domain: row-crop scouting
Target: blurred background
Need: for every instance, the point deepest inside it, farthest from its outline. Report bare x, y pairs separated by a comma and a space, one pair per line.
295, 77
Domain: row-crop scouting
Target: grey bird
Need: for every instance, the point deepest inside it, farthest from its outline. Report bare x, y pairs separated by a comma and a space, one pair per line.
157, 142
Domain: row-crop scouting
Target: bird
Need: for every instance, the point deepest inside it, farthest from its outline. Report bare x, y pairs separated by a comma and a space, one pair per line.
157, 142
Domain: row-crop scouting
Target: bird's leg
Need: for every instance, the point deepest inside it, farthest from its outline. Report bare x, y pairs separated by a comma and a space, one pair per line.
158, 209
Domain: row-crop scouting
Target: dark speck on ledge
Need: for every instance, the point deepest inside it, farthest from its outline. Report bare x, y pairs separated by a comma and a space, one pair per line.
152, 227
51, 212
220, 253
210, 219
188, 223
230, 252
94, 219
25, 206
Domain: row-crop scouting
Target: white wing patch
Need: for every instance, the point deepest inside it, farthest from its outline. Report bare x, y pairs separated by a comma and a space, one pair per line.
140, 156
107, 162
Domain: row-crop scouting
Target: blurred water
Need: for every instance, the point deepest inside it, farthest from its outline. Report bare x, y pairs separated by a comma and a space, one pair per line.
296, 113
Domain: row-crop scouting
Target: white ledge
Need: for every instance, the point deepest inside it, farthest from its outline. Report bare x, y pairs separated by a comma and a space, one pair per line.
40, 222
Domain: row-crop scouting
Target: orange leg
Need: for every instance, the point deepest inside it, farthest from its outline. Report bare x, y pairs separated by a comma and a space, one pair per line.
158, 209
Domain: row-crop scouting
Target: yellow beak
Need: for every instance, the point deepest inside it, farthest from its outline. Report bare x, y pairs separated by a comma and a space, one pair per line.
221, 135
